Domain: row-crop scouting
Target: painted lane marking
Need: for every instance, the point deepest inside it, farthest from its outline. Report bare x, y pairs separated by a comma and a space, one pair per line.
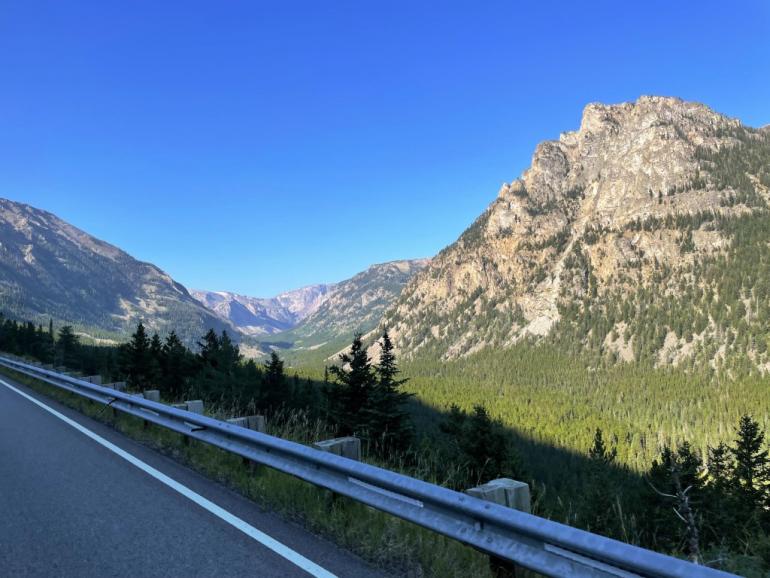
270, 543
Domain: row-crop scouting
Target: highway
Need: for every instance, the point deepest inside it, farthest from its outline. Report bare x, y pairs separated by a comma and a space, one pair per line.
80, 499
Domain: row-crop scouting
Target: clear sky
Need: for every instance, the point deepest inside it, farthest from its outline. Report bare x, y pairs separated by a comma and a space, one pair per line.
258, 146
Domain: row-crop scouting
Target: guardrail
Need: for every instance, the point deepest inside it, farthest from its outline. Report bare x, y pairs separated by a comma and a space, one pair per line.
546, 547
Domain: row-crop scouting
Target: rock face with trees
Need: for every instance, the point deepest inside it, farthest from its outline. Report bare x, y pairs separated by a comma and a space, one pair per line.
638, 236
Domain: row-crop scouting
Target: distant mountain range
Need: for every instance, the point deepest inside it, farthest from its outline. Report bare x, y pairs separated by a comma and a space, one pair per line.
51, 269
319, 318
264, 316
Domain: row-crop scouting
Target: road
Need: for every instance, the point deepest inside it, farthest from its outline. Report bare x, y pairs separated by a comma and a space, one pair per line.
80, 499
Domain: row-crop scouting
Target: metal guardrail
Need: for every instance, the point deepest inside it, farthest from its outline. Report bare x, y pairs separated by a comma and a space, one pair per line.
541, 545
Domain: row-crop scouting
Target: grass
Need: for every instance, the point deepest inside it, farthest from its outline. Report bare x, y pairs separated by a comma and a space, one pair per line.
383, 540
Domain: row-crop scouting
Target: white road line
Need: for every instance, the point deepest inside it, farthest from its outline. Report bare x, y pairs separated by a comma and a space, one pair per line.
270, 543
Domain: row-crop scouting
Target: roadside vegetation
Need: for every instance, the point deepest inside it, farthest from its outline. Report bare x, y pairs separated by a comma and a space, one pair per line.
646, 456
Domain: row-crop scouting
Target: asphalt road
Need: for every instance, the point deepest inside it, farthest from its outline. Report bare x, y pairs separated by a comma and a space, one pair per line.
69, 506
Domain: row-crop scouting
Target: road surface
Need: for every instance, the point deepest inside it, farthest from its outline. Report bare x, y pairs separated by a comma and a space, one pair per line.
79, 499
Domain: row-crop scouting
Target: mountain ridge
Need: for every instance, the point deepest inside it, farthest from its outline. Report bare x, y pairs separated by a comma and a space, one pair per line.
593, 207
257, 316
51, 269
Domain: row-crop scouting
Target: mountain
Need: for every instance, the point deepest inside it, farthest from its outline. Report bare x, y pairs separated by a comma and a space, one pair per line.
48, 268
354, 305
259, 316
641, 236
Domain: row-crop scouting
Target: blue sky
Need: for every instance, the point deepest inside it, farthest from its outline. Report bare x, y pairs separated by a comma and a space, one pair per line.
261, 146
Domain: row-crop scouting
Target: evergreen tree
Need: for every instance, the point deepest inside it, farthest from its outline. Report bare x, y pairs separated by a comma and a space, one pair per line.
454, 422
719, 502
219, 352
351, 392
751, 472
175, 367
483, 446
486, 447
599, 452
389, 425
137, 360
209, 349
602, 486
229, 354
67, 346
274, 392
156, 360
672, 478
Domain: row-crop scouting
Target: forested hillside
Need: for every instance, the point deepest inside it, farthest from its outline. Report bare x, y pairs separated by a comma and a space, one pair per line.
352, 306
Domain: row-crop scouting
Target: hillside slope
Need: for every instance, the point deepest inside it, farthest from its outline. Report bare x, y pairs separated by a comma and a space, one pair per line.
48, 268
353, 305
643, 235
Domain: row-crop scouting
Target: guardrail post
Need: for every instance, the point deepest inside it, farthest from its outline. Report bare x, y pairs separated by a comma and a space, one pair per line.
253, 422
152, 395
195, 405
347, 447
511, 494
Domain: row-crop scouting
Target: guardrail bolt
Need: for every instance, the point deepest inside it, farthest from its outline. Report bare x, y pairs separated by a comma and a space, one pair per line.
511, 494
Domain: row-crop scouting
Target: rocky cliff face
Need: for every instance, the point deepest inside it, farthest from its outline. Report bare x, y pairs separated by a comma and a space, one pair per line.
48, 268
640, 189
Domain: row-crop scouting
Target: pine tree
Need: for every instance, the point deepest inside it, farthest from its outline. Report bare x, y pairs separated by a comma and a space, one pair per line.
229, 354
175, 368
67, 346
155, 360
274, 392
484, 448
599, 452
137, 358
718, 506
602, 488
389, 422
674, 499
351, 392
751, 473
209, 349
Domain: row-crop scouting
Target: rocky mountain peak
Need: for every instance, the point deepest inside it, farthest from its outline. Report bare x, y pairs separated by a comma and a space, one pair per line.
582, 200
